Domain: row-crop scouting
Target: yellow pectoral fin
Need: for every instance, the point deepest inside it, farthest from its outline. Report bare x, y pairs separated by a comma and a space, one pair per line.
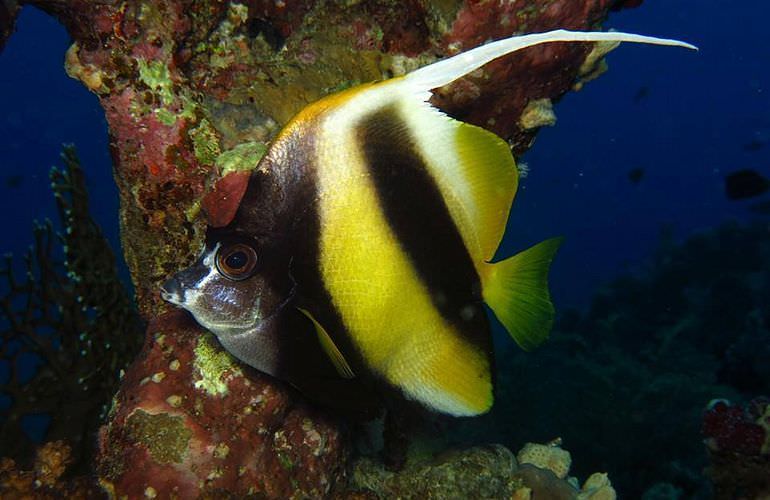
516, 289
330, 348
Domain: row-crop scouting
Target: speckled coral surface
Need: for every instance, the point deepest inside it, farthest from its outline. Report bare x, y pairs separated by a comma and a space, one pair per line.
191, 421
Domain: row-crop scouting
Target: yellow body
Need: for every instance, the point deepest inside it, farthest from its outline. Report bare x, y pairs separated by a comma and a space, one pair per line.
384, 305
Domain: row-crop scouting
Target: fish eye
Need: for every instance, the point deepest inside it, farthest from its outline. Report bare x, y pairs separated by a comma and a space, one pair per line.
236, 262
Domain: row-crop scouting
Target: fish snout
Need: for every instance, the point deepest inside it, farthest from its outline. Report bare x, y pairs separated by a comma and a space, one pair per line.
172, 291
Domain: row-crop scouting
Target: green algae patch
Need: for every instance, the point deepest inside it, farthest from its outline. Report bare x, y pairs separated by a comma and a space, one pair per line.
165, 116
205, 143
243, 157
165, 436
285, 460
155, 75
213, 367
191, 212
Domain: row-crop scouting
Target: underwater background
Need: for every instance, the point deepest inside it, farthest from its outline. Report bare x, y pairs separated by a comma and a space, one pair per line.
663, 281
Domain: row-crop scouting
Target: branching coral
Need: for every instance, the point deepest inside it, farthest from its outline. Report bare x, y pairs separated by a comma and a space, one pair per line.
71, 318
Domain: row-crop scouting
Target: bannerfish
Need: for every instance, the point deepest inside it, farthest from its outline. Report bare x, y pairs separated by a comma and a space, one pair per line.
372, 220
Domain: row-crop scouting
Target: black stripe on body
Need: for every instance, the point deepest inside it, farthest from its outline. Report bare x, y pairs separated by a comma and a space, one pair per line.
280, 212
420, 219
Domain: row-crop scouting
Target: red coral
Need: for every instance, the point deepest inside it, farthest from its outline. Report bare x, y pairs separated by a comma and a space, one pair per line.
169, 436
738, 440
223, 200
733, 428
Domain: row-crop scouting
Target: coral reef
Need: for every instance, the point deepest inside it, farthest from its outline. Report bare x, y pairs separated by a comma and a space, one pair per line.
548, 457
45, 481
738, 441
480, 472
640, 365
244, 436
193, 91
72, 320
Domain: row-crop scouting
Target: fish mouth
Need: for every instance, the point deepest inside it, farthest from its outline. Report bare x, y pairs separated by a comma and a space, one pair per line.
171, 291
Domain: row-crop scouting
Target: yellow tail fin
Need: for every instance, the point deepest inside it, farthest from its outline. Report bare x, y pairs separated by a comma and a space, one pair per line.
516, 289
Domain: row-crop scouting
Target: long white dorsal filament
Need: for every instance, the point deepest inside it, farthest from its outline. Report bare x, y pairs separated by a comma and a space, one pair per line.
448, 70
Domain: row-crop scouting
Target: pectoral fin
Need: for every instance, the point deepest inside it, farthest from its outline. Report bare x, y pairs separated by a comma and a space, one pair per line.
330, 348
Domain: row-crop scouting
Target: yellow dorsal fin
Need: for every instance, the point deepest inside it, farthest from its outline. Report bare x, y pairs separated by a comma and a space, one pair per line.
330, 348
516, 289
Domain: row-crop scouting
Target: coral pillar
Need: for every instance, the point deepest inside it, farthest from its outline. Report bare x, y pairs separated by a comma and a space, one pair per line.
194, 90
193, 421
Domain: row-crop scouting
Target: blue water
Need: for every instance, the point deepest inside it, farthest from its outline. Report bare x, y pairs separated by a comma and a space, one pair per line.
42, 108
700, 110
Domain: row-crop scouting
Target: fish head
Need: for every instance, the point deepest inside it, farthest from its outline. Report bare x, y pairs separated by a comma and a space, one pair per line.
231, 291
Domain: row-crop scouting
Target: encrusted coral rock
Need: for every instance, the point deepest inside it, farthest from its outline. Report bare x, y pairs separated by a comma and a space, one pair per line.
597, 487
738, 441
45, 480
537, 113
738, 429
544, 484
546, 456
481, 472
244, 434
474, 473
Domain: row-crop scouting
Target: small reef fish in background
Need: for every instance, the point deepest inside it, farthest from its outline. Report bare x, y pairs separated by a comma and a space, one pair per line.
361, 251
746, 183
754, 145
641, 94
13, 181
635, 175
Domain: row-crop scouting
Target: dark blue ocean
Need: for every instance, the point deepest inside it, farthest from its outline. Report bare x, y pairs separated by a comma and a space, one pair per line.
642, 151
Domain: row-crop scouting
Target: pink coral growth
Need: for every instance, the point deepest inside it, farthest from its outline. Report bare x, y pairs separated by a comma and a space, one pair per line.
744, 430
738, 441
